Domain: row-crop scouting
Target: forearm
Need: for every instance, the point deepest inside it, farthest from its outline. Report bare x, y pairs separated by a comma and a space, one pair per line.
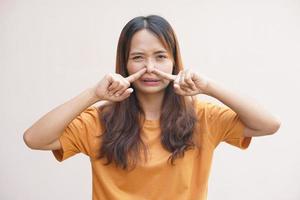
49, 127
252, 114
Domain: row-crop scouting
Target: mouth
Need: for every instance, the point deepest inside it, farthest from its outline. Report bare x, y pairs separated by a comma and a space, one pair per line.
150, 79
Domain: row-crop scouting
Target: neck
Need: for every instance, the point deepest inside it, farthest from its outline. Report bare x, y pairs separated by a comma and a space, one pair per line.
151, 104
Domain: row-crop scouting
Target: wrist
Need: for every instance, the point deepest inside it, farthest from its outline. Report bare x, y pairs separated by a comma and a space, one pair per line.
209, 87
92, 95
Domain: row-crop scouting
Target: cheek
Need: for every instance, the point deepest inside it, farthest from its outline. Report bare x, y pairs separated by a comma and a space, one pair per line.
133, 67
166, 67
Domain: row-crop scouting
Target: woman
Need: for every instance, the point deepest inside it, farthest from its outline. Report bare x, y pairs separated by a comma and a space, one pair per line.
153, 139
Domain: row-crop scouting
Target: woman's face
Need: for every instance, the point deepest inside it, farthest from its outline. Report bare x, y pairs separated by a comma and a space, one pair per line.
148, 52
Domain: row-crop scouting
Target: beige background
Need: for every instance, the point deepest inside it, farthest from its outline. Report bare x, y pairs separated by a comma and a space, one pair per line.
50, 51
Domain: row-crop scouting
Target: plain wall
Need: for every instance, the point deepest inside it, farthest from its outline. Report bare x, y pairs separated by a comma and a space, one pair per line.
50, 51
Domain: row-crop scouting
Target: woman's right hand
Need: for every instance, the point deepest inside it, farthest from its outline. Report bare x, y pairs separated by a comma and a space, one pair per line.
114, 87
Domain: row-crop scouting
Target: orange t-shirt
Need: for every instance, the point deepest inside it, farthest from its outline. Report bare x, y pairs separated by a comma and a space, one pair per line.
156, 179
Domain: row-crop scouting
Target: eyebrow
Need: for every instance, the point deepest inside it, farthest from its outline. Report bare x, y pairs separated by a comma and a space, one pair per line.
141, 53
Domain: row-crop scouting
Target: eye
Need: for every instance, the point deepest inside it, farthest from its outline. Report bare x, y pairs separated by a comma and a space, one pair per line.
137, 57
162, 56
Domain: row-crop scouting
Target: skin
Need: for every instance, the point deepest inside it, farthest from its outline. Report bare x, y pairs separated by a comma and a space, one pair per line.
44, 133
148, 52
257, 120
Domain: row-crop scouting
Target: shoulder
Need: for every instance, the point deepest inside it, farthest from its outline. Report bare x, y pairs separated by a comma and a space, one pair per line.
101, 105
202, 106
90, 114
90, 120
209, 109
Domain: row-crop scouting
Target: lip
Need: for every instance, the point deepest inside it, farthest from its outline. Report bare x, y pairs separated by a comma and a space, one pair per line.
150, 82
150, 79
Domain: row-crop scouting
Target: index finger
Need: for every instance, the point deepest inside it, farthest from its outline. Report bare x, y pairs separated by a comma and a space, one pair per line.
136, 75
165, 75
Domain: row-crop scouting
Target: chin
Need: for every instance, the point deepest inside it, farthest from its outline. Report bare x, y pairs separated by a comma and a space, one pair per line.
150, 89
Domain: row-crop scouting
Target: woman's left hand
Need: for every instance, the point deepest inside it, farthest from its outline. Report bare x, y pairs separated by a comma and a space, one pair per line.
186, 82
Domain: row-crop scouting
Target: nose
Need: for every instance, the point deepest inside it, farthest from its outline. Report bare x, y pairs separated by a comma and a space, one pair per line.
150, 66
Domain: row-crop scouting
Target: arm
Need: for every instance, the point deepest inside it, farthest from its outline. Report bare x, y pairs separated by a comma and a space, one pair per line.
44, 133
257, 120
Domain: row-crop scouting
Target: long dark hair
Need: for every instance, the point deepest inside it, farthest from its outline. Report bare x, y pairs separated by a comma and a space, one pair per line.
121, 140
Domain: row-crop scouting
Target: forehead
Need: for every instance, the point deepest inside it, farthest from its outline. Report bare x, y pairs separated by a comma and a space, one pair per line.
146, 41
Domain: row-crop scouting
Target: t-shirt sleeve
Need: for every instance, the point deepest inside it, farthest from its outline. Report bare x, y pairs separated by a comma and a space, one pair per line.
225, 125
78, 135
